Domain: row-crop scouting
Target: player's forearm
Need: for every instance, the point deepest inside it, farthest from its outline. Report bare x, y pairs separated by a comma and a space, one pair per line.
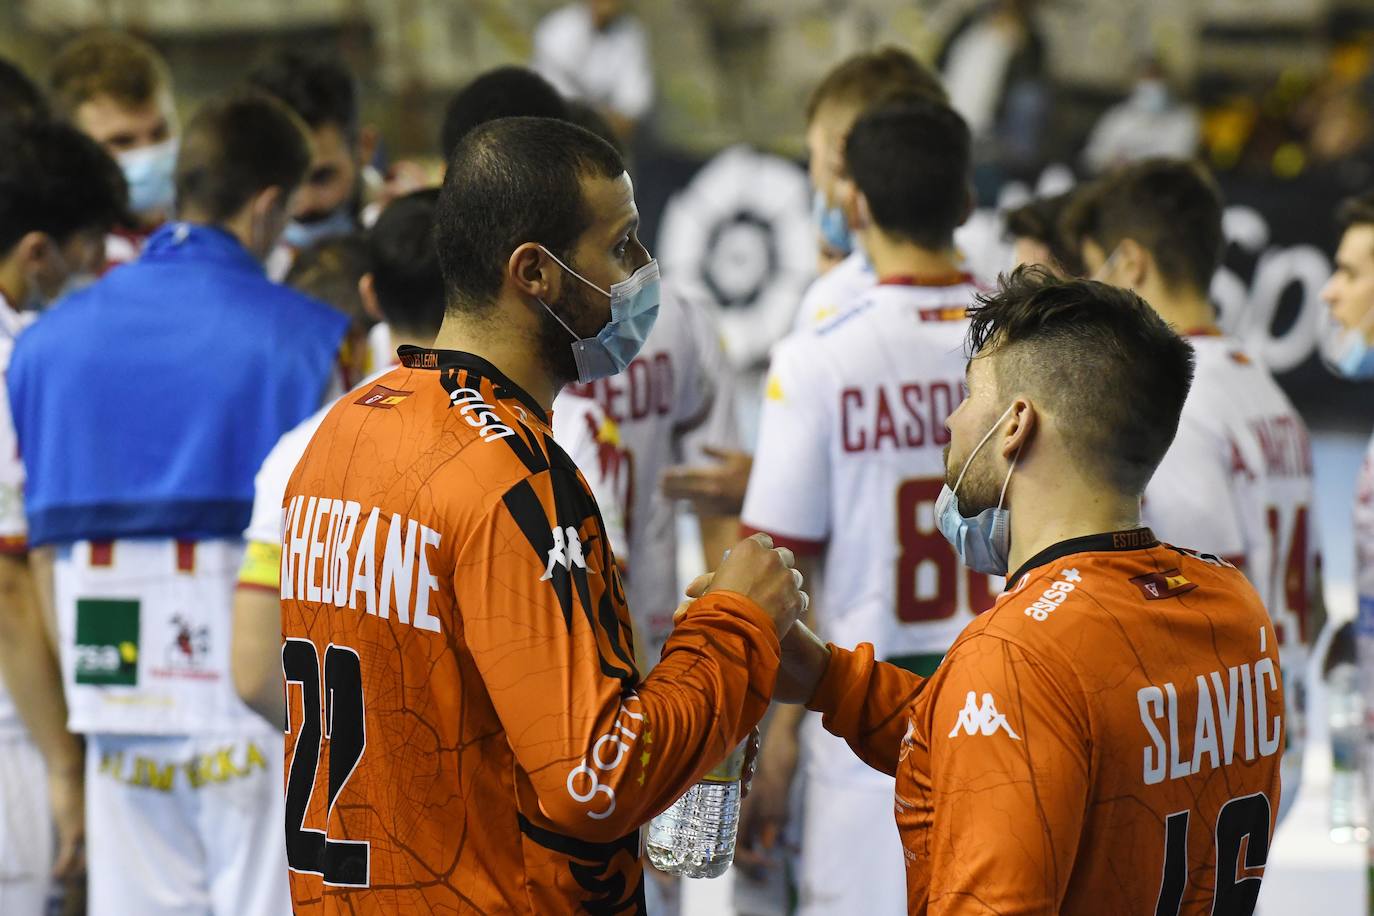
718, 534
256, 653
861, 700
706, 694
30, 668
41, 567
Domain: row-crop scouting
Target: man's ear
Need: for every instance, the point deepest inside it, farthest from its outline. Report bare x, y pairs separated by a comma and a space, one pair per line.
533, 273
1021, 425
33, 248
1135, 264
367, 292
265, 201
855, 206
368, 137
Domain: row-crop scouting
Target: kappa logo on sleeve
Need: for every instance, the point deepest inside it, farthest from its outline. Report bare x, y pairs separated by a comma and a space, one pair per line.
981, 720
565, 552
1167, 584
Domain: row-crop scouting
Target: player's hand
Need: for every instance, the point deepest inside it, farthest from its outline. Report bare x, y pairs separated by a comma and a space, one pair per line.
67, 798
762, 573
713, 489
763, 819
751, 763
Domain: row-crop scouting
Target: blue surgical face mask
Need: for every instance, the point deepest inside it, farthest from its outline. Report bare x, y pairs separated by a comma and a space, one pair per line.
983, 542
634, 308
301, 236
831, 222
1346, 351
150, 173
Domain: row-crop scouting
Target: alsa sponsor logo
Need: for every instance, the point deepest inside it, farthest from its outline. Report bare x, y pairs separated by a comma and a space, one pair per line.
478, 414
608, 753
1233, 707
565, 552
1169, 583
981, 720
384, 397
1052, 597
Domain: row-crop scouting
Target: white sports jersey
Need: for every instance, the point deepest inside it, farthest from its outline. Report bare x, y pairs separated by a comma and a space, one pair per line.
674, 399
584, 435
13, 528
850, 462
1237, 482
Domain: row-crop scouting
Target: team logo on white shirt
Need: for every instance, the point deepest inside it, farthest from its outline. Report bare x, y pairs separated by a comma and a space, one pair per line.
984, 720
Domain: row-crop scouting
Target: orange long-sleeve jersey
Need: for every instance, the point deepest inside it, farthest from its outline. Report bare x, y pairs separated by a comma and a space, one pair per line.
1105, 739
468, 731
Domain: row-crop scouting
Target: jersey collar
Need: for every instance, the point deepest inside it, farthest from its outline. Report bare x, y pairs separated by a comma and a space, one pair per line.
956, 278
426, 358
1130, 539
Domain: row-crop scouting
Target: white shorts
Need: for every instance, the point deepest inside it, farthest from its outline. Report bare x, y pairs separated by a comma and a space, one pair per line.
26, 860
851, 853
186, 826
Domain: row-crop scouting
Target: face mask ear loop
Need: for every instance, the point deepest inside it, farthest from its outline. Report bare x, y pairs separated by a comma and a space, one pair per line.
981, 442
1002, 498
556, 318
573, 272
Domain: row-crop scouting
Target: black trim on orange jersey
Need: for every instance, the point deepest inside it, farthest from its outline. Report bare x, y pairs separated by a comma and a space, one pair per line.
615, 897
1131, 539
425, 358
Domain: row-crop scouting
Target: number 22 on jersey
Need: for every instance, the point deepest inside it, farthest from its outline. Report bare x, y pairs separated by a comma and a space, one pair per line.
342, 863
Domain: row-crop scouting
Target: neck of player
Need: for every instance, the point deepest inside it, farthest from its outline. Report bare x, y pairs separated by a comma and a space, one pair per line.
508, 339
1052, 501
1186, 309
897, 257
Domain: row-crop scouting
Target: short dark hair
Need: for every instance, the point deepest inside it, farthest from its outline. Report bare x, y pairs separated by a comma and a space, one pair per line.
330, 270
1100, 356
870, 77
911, 161
1357, 210
19, 97
320, 89
235, 146
1171, 207
405, 265
1038, 219
510, 181
55, 179
116, 64
505, 92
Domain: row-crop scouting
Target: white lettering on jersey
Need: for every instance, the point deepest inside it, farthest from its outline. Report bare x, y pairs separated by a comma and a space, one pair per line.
1054, 596
320, 564
565, 552
1239, 695
478, 414
584, 783
985, 719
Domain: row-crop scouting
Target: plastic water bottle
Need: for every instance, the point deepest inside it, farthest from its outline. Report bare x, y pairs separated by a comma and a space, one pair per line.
1345, 707
695, 838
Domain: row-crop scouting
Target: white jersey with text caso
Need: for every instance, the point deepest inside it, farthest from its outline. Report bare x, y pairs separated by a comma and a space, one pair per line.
674, 399
13, 527
1237, 483
850, 463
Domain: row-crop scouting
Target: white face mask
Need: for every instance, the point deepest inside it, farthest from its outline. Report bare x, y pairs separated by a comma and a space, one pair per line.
1346, 351
634, 308
983, 542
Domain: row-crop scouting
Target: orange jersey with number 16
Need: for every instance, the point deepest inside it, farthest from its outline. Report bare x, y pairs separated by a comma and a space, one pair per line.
468, 732
1106, 739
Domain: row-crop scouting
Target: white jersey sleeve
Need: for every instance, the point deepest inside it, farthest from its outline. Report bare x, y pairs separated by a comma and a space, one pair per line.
269, 486
833, 291
1191, 499
789, 488
593, 442
13, 528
